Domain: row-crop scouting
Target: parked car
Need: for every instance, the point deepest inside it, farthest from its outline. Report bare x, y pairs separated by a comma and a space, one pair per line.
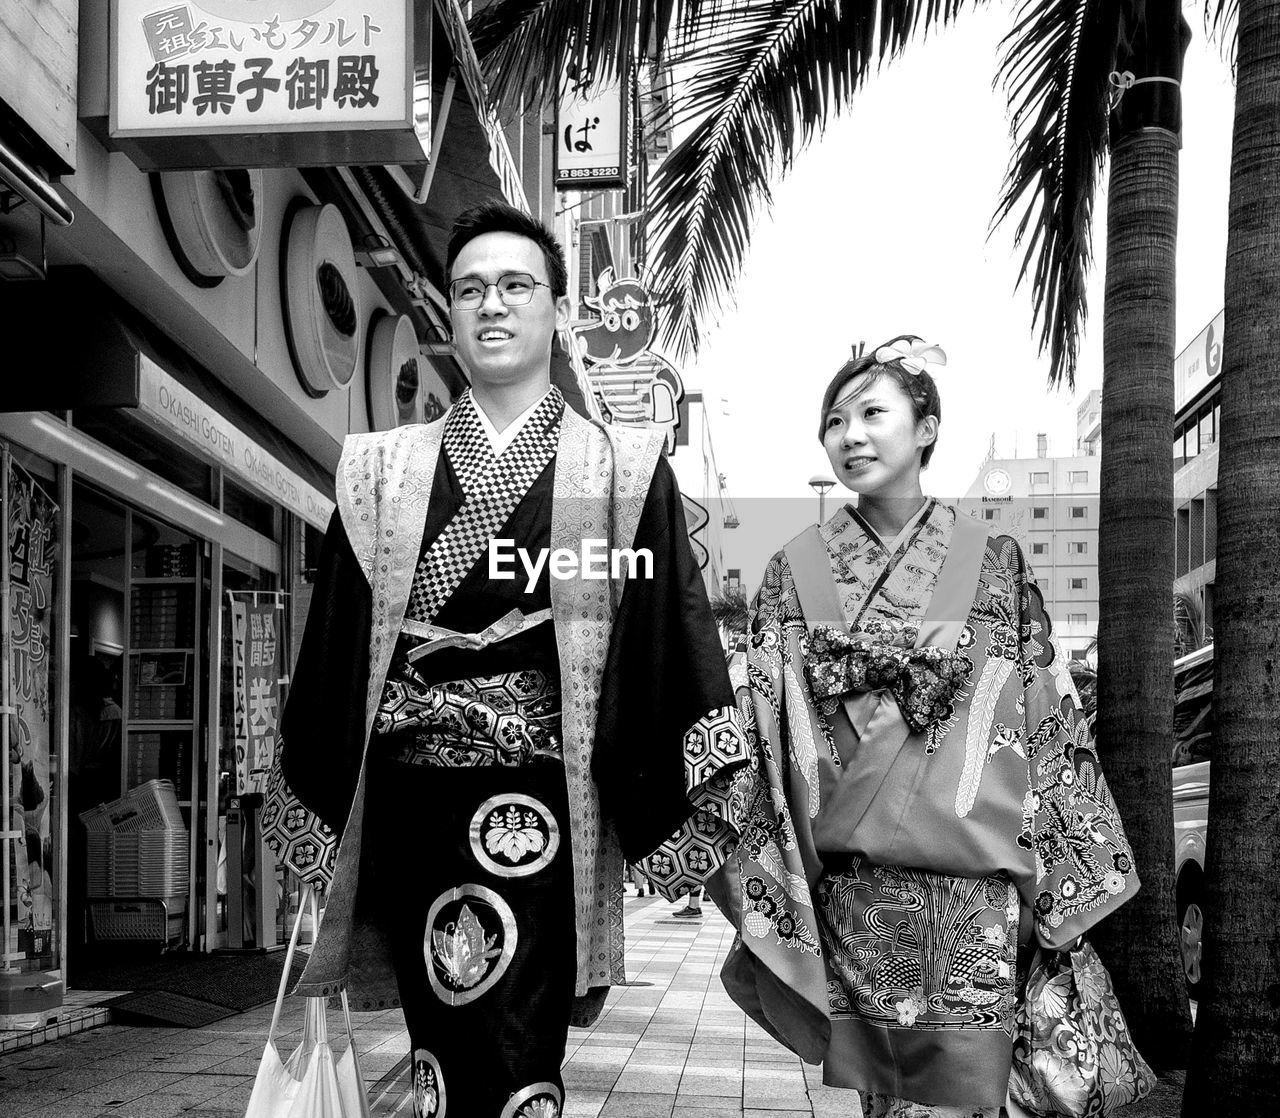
1193, 734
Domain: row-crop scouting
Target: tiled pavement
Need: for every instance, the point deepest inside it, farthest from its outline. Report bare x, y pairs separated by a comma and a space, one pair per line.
670, 1045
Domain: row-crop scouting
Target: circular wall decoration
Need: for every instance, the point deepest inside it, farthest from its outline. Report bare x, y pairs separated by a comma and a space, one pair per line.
513, 835
212, 221
394, 379
469, 941
319, 297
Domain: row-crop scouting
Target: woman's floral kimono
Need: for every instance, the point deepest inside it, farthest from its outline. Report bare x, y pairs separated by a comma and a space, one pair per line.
924, 797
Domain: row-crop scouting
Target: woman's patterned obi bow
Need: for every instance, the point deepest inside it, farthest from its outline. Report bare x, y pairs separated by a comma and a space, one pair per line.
924, 681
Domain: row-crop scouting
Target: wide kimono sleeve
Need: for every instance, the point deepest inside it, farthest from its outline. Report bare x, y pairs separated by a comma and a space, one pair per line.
323, 723
667, 735
775, 971
1083, 862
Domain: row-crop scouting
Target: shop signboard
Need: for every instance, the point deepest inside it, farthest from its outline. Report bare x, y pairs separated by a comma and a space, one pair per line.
592, 142
633, 384
288, 83
256, 666
180, 411
30, 536
1199, 363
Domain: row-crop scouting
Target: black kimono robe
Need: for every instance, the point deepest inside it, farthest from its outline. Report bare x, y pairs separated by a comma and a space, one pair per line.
467, 865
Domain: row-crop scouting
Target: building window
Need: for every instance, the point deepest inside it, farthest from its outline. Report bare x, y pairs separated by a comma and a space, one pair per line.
1079, 584
1078, 547
1039, 549
1079, 654
1040, 477
1077, 619
1208, 436
1040, 512
1079, 512
990, 514
1079, 476
248, 508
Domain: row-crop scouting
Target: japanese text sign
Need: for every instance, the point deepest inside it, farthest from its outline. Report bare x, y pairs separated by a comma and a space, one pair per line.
208, 67
256, 662
591, 136
1199, 363
29, 531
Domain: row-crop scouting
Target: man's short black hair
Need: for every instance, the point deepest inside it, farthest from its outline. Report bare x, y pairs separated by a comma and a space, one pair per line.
498, 217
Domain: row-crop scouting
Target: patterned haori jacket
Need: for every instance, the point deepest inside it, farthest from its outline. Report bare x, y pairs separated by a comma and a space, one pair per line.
602, 477
924, 796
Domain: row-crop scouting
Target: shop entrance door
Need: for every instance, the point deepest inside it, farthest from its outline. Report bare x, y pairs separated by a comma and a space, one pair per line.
139, 600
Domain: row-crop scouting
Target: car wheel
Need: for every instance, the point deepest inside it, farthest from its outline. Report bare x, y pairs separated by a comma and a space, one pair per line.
1190, 897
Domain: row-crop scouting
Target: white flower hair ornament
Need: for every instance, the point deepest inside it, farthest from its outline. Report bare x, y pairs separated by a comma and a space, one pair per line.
913, 354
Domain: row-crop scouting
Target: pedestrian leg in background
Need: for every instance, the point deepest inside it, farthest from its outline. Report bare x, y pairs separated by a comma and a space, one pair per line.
693, 904
639, 880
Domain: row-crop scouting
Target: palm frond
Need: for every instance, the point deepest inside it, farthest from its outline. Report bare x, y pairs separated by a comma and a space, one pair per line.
1221, 17
1085, 676
730, 611
764, 78
1222, 23
1054, 67
1190, 627
526, 46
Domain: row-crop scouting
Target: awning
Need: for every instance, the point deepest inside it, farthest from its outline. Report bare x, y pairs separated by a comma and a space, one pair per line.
90, 343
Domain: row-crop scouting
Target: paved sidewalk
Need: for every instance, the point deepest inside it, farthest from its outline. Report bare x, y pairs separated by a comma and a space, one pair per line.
670, 1045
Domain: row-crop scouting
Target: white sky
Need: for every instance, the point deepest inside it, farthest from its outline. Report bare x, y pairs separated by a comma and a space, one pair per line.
887, 217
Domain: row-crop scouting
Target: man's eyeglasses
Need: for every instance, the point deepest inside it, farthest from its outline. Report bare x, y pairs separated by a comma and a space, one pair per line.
515, 289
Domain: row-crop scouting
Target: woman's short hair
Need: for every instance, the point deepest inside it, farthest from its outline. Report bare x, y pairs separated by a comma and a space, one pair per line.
919, 388
498, 217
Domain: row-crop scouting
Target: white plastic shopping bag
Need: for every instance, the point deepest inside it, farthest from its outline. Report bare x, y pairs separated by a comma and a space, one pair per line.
312, 1083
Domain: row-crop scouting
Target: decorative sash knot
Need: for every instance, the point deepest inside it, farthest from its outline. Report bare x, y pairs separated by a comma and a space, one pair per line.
923, 681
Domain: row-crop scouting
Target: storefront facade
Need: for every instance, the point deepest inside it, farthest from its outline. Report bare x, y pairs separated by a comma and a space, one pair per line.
207, 338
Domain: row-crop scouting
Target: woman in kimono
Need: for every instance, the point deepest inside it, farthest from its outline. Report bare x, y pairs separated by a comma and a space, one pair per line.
924, 798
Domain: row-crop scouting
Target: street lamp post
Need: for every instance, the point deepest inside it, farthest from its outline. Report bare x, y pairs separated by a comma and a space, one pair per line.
820, 485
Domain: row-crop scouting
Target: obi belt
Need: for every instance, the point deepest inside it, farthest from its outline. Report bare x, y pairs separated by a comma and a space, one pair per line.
511, 719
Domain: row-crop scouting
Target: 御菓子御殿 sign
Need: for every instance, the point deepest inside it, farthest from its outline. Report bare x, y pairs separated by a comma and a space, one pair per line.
291, 82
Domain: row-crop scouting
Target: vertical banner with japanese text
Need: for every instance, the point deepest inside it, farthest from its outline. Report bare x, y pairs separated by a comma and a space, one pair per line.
592, 130
256, 667
31, 527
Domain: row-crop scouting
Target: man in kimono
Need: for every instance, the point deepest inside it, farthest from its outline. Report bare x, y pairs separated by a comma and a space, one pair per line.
492, 734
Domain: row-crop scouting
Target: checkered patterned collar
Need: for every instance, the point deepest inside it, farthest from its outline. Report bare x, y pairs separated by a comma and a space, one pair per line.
468, 447
492, 487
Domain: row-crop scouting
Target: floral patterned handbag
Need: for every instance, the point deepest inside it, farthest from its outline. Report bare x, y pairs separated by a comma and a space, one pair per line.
1073, 1056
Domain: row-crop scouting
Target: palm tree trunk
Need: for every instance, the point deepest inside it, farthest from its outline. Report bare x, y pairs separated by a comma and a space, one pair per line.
1135, 578
1236, 1051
